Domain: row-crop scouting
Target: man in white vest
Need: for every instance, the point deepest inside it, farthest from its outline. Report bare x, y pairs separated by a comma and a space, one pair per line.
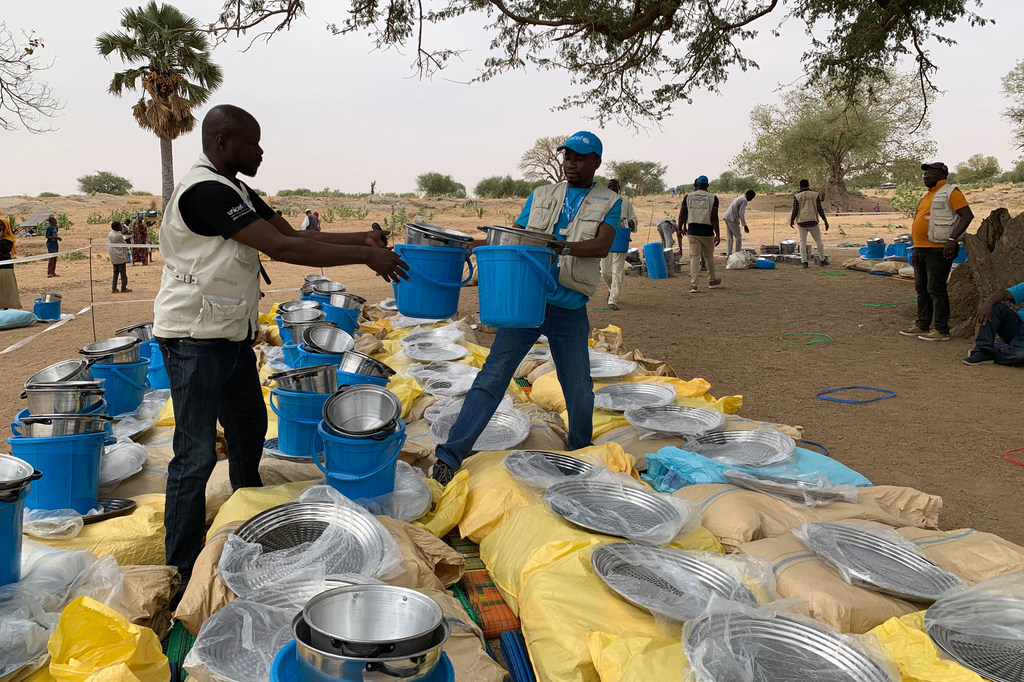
806, 209
698, 222
206, 315
942, 218
613, 266
582, 216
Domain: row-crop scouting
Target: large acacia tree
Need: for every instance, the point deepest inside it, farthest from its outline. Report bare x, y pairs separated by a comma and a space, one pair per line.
175, 74
637, 59
24, 98
827, 139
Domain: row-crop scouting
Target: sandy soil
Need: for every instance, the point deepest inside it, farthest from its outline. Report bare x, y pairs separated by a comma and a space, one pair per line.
944, 433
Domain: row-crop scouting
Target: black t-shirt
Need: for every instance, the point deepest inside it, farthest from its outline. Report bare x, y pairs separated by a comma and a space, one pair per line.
210, 209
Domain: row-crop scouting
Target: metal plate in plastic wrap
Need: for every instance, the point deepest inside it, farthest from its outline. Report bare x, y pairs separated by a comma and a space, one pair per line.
618, 397
675, 420
521, 463
785, 488
435, 352
607, 366
750, 448
504, 431
994, 658
606, 507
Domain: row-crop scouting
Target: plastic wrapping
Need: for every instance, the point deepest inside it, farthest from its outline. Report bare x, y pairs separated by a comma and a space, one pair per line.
435, 352
52, 524
273, 357
541, 353
144, 416
736, 643
250, 571
537, 471
402, 322
752, 448
238, 643
410, 500
449, 334
874, 556
119, 461
801, 490
620, 397
451, 407
608, 366
615, 504
656, 422
506, 428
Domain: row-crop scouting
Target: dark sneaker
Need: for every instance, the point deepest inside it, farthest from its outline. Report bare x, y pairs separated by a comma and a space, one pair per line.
715, 284
913, 331
935, 335
823, 262
442, 473
693, 289
805, 264
126, 291
978, 357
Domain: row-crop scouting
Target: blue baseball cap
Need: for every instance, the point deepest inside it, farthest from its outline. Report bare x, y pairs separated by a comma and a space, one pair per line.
584, 142
701, 180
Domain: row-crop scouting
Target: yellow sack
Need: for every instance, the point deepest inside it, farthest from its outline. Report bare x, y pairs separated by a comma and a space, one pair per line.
906, 642
94, 642
447, 505
134, 540
246, 503
406, 389
166, 416
547, 392
533, 537
632, 657
494, 494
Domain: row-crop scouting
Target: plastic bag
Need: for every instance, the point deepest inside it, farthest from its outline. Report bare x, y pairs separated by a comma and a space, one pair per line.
239, 642
144, 416
741, 260
801, 490
448, 334
119, 461
410, 500
683, 421
657, 395
52, 524
765, 447
451, 407
402, 322
536, 473
991, 609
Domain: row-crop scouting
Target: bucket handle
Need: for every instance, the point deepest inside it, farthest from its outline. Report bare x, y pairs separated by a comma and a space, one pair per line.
129, 380
281, 414
440, 283
550, 284
345, 477
16, 429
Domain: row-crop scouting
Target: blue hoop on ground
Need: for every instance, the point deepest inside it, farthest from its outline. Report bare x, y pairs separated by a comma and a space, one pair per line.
885, 395
824, 450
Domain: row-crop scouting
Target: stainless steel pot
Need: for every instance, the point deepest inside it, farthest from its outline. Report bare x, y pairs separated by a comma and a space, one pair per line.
49, 297
68, 397
360, 363
15, 475
328, 288
324, 339
312, 279
120, 349
787, 246
499, 235
875, 240
362, 410
904, 238
345, 300
301, 315
411, 667
65, 370
316, 379
53, 425
143, 331
428, 234
291, 306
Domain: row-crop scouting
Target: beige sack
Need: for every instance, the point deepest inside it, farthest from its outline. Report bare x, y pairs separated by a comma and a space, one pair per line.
891, 267
147, 596
970, 554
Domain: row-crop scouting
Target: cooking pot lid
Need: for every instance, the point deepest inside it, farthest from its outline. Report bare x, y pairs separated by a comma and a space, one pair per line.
108, 346
300, 373
438, 232
545, 239
127, 331
328, 288
14, 472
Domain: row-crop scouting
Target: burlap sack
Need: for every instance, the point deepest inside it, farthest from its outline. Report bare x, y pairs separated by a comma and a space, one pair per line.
891, 267
737, 516
147, 596
970, 554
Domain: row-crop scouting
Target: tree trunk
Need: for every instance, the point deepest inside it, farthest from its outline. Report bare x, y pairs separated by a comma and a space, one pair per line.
166, 171
835, 193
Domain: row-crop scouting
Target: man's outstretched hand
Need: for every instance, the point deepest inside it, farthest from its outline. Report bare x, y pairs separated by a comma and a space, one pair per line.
386, 263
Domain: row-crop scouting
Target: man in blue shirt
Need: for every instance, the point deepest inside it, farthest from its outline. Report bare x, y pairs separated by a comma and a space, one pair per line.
52, 246
587, 216
996, 318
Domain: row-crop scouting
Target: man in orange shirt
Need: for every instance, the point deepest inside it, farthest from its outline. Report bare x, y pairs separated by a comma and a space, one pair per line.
942, 218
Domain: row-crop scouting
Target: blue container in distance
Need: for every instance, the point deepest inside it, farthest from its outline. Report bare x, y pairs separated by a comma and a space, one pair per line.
346, 455
149, 349
352, 379
346, 319
291, 354
896, 251
288, 666
70, 466
654, 257
515, 282
298, 415
156, 375
765, 264
308, 358
435, 280
125, 383
873, 251
46, 311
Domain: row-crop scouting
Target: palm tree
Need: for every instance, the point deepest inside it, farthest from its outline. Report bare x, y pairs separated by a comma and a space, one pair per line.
175, 76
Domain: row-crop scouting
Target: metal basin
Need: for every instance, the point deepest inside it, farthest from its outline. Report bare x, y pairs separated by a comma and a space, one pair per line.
302, 315
291, 306
372, 620
143, 331
69, 397
324, 339
15, 475
428, 234
49, 297
120, 349
66, 370
316, 379
53, 425
313, 279
345, 300
328, 288
499, 235
788, 246
362, 410
361, 363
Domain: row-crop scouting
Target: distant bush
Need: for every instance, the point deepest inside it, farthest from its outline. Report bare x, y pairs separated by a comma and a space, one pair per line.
104, 182
506, 187
434, 184
259, 192
47, 195
140, 193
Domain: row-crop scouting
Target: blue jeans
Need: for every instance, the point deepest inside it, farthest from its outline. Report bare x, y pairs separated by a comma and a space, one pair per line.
210, 381
931, 272
567, 332
1007, 326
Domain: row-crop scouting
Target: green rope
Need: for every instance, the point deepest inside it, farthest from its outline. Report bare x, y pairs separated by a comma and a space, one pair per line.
821, 337
894, 303
833, 273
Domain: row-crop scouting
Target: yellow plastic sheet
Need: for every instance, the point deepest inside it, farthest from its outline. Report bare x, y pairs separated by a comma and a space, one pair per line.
906, 642
135, 540
447, 505
494, 494
407, 390
93, 642
246, 503
633, 657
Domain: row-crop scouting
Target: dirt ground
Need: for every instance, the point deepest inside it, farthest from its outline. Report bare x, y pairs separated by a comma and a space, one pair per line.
945, 432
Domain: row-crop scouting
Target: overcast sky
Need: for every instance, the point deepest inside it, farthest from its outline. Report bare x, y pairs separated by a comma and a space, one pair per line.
335, 113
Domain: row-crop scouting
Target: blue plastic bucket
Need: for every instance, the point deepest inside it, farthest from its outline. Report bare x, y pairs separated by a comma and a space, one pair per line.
308, 358
873, 251
765, 264
352, 379
298, 415
125, 383
46, 311
282, 331
70, 466
515, 282
346, 319
288, 666
896, 251
380, 481
156, 375
322, 299
149, 349
654, 257
435, 280
12, 506
345, 455
291, 354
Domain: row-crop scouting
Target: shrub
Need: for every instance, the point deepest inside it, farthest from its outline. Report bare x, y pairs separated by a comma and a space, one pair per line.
47, 195
104, 182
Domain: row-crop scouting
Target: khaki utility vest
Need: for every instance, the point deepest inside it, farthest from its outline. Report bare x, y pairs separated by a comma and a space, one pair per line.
578, 274
210, 286
698, 207
808, 212
942, 218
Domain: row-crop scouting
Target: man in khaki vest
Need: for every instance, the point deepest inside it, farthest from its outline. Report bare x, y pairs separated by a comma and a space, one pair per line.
582, 216
806, 209
698, 222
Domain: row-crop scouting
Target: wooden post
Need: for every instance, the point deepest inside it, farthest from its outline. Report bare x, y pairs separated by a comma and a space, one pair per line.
92, 299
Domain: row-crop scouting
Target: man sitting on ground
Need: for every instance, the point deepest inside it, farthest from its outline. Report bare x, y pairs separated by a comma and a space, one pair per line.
996, 318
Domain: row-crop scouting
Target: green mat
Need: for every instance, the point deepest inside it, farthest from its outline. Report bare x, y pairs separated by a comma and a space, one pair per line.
177, 645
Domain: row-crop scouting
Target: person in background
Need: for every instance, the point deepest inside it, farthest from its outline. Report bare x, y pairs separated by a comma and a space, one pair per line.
140, 235
698, 222
734, 215
52, 246
806, 209
311, 221
152, 231
666, 229
614, 264
118, 256
9, 296
996, 319
7, 233
943, 217
582, 216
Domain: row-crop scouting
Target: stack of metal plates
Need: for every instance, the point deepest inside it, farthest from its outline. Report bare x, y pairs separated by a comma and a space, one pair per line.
875, 563
790, 489
504, 431
728, 647
664, 581
429, 351
608, 366
753, 448
618, 397
675, 420
982, 632
612, 508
